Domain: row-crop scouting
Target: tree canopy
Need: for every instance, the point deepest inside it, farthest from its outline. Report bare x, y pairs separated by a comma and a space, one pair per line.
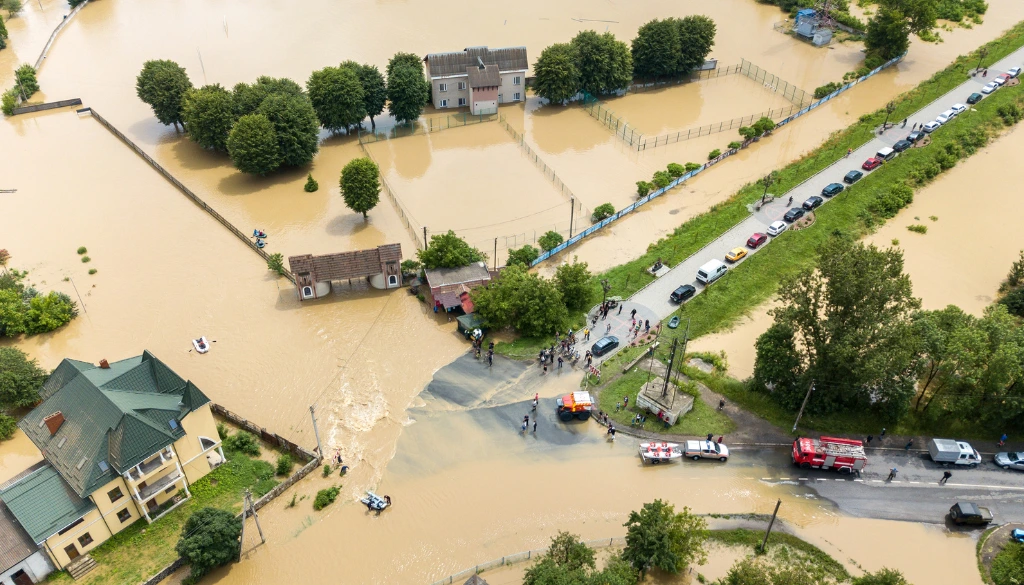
25, 310
209, 539
524, 255
163, 84
572, 281
248, 97
20, 379
448, 251
360, 185
408, 92
375, 92
605, 64
252, 145
208, 114
889, 31
557, 73
549, 240
527, 302
296, 126
571, 562
337, 97
658, 536
404, 60
672, 47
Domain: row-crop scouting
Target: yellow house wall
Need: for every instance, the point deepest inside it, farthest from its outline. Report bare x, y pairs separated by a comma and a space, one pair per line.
109, 510
198, 423
92, 524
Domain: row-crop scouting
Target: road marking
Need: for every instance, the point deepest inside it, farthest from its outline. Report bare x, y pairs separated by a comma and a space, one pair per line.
803, 479
821, 478
860, 480
784, 479
766, 479
914, 482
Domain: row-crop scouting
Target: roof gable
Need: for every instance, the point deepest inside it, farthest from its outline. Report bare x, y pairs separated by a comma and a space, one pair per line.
43, 503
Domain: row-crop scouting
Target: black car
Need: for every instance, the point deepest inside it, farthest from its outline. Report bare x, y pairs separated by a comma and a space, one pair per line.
813, 202
914, 136
974, 98
832, 189
853, 176
902, 145
969, 513
793, 214
604, 345
682, 293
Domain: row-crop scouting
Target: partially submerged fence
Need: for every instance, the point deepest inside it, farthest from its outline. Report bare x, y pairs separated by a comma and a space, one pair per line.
47, 106
644, 200
697, 75
519, 557
776, 84
245, 238
426, 126
408, 220
56, 31
670, 138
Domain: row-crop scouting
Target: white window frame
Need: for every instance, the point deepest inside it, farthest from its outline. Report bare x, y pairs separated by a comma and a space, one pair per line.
517, 80
462, 101
392, 280
444, 103
462, 86
442, 87
516, 97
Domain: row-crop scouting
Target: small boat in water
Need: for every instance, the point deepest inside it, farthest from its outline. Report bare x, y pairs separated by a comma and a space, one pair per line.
201, 345
674, 322
657, 452
375, 503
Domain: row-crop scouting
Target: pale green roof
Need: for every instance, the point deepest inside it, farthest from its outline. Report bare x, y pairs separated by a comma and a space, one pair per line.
43, 503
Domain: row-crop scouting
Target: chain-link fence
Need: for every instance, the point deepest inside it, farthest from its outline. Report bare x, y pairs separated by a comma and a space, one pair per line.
616, 123
774, 114
776, 84
519, 557
408, 220
702, 75
425, 126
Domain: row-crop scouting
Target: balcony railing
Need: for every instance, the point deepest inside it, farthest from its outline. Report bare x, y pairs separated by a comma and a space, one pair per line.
158, 485
143, 469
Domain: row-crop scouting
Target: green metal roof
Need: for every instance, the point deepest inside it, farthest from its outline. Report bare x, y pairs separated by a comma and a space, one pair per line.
43, 503
114, 418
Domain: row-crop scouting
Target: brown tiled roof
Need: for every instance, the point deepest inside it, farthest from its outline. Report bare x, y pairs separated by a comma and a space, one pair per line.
474, 273
15, 543
489, 76
345, 265
457, 62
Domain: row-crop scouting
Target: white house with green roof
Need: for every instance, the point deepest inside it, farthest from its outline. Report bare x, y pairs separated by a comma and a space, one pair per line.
121, 441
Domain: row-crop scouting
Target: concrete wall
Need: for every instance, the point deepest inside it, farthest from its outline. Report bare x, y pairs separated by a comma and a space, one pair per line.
37, 566
509, 87
109, 510
190, 451
92, 524
453, 92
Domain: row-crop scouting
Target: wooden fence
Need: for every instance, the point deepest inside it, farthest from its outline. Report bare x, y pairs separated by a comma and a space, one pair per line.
262, 433
47, 106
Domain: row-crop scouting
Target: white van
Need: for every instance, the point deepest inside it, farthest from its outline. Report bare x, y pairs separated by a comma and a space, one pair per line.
711, 271
886, 154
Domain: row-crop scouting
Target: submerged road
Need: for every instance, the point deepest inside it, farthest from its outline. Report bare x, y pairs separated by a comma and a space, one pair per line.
655, 296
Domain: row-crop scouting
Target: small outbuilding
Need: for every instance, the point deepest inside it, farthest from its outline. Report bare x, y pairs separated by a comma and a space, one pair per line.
381, 267
449, 287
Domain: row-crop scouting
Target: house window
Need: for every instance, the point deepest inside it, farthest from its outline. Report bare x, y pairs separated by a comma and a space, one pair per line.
515, 97
170, 489
444, 103
124, 515
462, 86
462, 101
115, 495
85, 540
206, 443
442, 87
517, 81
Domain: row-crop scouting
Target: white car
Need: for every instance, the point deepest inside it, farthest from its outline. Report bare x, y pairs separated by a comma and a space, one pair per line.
989, 87
777, 228
958, 108
930, 127
945, 116
1013, 71
698, 450
1000, 80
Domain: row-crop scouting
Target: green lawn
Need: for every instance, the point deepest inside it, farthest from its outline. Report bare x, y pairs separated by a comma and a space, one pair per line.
703, 419
785, 550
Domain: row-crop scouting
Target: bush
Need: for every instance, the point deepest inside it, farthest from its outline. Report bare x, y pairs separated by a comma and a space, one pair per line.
327, 470
691, 167
10, 101
643, 188
284, 464
209, 539
735, 144
82, 250
1014, 302
661, 179
714, 154
525, 255
1010, 113
8, 424
676, 170
918, 228
92, 271
824, 90
275, 262
86, 259
888, 203
243, 442
222, 431
25, 81
326, 497
311, 184
1008, 565
410, 266
603, 211
550, 240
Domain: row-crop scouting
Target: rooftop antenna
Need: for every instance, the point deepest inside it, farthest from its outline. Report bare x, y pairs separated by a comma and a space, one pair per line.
825, 9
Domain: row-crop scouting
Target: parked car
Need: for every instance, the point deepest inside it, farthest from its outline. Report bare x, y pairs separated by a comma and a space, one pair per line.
902, 145
974, 98
989, 87
682, 293
756, 240
1017, 535
945, 116
777, 228
930, 127
832, 189
852, 177
871, 164
813, 202
1001, 78
1010, 460
711, 272
793, 214
735, 255
958, 108
969, 513
698, 450
604, 345
1013, 71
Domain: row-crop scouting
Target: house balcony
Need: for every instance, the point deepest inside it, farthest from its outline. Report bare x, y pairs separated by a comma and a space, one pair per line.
142, 471
158, 485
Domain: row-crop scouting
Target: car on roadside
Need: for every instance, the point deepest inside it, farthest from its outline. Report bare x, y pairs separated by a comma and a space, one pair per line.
698, 450
871, 164
756, 240
914, 136
958, 108
682, 293
989, 87
735, 255
852, 177
604, 345
1017, 535
930, 127
1001, 78
1013, 71
969, 513
974, 98
1010, 460
777, 228
902, 145
813, 202
832, 189
793, 214
945, 116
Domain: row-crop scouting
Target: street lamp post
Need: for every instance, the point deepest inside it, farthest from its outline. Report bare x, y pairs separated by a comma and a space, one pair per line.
889, 109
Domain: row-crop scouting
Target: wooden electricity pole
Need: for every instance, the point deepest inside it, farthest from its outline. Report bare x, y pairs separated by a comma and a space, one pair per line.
764, 543
801, 413
316, 432
249, 509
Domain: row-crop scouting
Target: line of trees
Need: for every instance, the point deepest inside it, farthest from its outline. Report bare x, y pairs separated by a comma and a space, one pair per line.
601, 64
20, 381
894, 21
531, 304
275, 123
23, 309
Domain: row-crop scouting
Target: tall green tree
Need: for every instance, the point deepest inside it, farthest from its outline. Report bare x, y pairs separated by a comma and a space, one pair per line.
573, 282
337, 98
557, 73
605, 63
3, 34
12, 7
296, 126
527, 302
889, 31
658, 536
252, 145
952, 351
360, 185
209, 539
448, 251
884, 576
25, 81
375, 91
697, 36
248, 97
408, 93
657, 49
404, 59
525, 255
209, 113
20, 379
163, 84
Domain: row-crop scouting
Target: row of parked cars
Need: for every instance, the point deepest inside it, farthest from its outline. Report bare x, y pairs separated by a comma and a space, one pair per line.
716, 269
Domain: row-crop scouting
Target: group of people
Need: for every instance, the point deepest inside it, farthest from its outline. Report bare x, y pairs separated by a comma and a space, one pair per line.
604, 309
478, 347
526, 420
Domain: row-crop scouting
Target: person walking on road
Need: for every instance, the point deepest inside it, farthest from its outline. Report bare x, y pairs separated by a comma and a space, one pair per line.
1002, 440
892, 474
869, 439
620, 309
535, 426
945, 477
608, 329
904, 123
909, 444
633, 314
849, 151
882, 435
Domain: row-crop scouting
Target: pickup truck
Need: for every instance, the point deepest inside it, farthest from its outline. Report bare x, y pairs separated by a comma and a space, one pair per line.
969, 513
698, 450
948, 451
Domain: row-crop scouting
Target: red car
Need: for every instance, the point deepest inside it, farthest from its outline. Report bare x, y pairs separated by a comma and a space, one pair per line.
871, 163
756, 240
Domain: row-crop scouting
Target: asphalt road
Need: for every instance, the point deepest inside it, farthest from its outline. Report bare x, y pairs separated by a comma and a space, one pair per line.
655, 296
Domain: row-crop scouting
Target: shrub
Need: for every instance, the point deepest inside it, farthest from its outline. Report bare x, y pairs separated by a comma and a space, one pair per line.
92, 271
933, 217
275, 262
284, 464
1013, 301
82, 250
86, 259
410, 266
714, 154
326, 497
327, 470
311, 184
643, 188
222, 431
1010, 113
895, 242
691, 167
735, 144
525, 255
824, 90
661, 179
747, 132
10, 101
243, 442
887, 204
550, 240
8, 424
209, 539
918, 228
676, 170
25, 81
603, 211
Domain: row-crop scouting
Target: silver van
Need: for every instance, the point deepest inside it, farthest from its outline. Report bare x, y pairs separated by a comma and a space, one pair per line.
886, 154
711, 271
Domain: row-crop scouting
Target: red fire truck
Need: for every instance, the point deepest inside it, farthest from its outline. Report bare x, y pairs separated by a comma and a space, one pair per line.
846, 455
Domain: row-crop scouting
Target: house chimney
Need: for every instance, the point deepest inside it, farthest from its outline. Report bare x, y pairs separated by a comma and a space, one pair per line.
481, 62
53, 422
104, 365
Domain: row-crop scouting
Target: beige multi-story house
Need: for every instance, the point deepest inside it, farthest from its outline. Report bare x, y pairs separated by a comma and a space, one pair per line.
121, 441
478, 78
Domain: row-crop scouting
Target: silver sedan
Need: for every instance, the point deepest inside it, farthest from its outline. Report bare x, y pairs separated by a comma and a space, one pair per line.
1010, 460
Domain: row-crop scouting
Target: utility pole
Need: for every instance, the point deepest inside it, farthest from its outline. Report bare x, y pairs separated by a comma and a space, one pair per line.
495, 254
801, 413
319, 447
982, 53
424, 237
770, 524
668, 373
572, 210
249, 509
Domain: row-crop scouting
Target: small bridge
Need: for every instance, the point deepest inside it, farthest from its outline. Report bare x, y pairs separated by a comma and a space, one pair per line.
381, 267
